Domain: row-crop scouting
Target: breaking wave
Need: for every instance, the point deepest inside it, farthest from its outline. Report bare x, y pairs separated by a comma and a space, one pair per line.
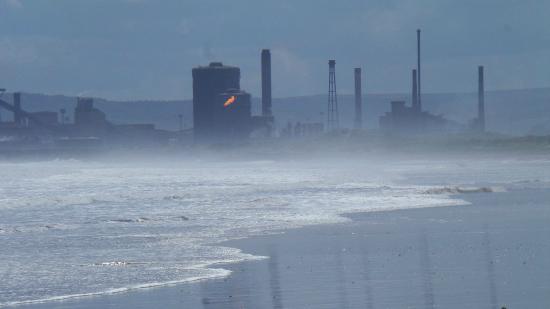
463, 190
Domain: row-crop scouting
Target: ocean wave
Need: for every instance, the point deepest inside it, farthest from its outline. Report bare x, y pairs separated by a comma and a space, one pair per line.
118, 263
139, 214
462, 190
221, 273
132, 220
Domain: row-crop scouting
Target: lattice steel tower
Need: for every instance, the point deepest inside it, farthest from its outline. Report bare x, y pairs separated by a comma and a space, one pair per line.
332, 110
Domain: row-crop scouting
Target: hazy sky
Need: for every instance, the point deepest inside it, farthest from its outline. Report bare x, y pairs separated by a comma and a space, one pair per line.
139, 49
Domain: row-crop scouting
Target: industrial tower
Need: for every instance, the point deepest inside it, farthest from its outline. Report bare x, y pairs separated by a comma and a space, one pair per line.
480, 100
358, 100
266, 83
419, 92
332, 109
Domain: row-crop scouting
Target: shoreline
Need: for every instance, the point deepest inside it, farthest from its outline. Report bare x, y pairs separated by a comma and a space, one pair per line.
377, 226
224, 266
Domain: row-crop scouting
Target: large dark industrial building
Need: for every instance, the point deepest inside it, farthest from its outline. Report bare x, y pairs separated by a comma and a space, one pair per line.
221, 110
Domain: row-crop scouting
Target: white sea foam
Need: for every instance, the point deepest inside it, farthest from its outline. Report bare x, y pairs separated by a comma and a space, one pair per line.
221, 273
463, 190
73, 229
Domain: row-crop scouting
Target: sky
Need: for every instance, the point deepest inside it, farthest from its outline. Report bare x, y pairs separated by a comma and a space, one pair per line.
145, 49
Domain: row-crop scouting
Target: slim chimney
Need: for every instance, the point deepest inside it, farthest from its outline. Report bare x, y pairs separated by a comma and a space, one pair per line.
480, 99
358, 100
17, 107
419, 103
414, 92
266, 83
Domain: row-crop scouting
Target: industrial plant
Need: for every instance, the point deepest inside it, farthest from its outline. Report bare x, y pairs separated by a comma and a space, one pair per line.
221, 110
46, 131
222, 115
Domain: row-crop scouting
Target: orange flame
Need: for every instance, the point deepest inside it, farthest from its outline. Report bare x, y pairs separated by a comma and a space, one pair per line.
229, 101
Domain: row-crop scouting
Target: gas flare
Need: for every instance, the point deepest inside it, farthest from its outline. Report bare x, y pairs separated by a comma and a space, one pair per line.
229, 101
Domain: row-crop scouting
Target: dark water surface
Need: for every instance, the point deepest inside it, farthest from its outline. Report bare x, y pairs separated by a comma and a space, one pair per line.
493, 253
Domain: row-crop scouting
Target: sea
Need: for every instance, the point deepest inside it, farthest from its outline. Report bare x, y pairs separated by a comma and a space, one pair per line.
79, 228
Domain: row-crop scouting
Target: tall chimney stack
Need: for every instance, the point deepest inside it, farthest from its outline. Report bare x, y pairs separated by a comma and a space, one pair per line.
419, 100
17, 108
333, 122
358, 100
480, 99
266, 83
414, 92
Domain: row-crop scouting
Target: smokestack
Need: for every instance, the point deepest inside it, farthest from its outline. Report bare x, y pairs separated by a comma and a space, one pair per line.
480, 99
358, 100
419, 101
332, 112
266, 83
414, 92
17, 108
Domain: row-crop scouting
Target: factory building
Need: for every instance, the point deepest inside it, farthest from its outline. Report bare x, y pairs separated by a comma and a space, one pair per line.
39, 119
219, 102
403, 119
89, 120
413, 120
221, 110
235, 118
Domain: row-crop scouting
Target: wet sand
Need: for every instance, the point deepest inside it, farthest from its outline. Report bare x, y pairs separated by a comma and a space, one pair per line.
493, 253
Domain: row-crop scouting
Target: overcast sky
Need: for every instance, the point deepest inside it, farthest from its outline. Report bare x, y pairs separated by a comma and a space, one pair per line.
141, 49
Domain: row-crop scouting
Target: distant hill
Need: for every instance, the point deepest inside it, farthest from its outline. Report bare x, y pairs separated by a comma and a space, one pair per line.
515, 112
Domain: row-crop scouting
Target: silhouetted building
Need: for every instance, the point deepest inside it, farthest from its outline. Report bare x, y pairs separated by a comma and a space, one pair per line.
234, 122
209, 112
89, 120
300, 129
39, 119
412, 120
221, 110
17, 117
407, 120
86, 115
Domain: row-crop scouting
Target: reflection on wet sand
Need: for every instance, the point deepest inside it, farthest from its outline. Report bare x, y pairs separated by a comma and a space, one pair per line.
407, 259
490, 268
426, 270
369, 302
274, 282
340, 277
